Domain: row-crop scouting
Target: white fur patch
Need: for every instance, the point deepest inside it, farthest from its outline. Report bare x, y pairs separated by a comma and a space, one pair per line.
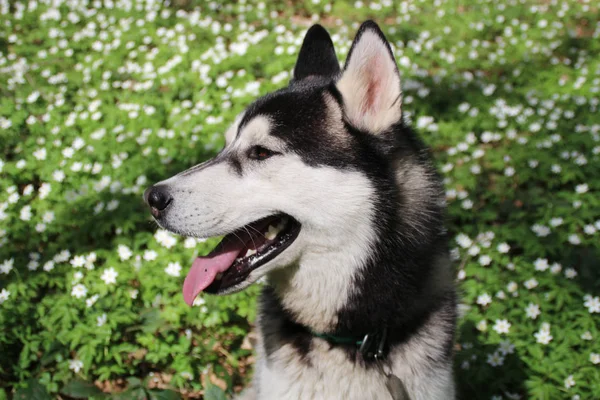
370, 85
256, 133
231, 133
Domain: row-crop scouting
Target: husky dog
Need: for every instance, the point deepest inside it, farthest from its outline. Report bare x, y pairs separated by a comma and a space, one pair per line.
323, 189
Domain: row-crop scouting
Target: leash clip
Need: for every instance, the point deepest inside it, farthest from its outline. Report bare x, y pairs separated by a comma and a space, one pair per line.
373, 346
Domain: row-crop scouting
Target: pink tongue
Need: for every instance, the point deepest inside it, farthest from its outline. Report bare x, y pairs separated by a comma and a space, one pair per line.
205, 269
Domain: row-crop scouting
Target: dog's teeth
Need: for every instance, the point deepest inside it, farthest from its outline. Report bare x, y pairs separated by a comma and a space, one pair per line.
219, 276
250, 252
271, 233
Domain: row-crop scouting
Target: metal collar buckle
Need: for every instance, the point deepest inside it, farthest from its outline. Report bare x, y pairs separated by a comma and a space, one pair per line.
373, 346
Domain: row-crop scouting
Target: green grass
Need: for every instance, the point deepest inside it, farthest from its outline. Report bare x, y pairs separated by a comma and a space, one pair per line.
98, 102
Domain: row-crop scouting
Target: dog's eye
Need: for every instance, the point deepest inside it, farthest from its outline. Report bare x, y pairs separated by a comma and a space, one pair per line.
260, 153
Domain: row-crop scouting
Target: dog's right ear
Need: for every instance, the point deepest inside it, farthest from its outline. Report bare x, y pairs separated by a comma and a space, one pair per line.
317, 56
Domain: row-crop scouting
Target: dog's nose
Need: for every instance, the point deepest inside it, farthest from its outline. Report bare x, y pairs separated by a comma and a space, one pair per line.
158, 197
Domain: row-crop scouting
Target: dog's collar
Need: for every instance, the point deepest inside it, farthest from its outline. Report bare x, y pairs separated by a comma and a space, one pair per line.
373, 346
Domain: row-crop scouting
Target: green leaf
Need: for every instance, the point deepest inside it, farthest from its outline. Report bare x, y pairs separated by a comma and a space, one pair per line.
33, 391
164, 395
213, 392
137, 393
79, 389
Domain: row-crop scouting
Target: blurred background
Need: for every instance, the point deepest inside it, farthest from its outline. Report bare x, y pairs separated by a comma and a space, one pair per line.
99, 99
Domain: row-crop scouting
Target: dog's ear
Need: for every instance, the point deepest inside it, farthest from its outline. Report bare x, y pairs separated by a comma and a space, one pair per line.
370, 82
317, 56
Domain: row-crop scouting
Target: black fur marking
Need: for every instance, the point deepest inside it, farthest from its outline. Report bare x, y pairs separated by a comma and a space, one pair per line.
235, 164
317, 56
278, 327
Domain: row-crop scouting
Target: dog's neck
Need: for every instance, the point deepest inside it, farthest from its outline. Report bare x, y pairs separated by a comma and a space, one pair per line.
335, 295
314, 290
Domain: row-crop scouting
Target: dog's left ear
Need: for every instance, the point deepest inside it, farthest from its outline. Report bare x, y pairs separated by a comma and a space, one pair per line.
317, 56
370, 82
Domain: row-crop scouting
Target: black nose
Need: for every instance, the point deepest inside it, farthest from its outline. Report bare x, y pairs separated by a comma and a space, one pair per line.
158, 197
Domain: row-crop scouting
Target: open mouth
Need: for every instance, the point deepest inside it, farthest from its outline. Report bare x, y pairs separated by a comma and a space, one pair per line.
238, 254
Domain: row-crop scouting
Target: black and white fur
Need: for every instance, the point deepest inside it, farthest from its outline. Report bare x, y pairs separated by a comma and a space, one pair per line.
372, 250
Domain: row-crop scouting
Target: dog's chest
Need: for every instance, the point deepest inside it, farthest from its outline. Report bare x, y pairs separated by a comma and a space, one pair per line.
323, 373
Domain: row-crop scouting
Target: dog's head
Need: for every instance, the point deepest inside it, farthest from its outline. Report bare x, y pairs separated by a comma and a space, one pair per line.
291, 180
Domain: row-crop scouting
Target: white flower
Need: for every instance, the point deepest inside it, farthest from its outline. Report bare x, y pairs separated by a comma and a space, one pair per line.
124, 252
40, 154
495, 360
44, 190
589, 229
77, 276
574, 239
556, 221
165, 239
13, 198
150, 255
540, 230
187, 375
199, 301
541, 264
48, 217
555, 268
543, 336
570, 273
569, 382
503, 248
79, 291
583, 188
587, 335
189, 243
595, 358
7, 266
78, 261
484, 299
58, 175
474, 250
173, 269
463, 241
592, 304
25, 214
532, 311
109, 276
485, 260
4, 294
502, 326
101, 320
75, 365
506, 347
91, 301
512, 287
27, 190
48, 266
531, 283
